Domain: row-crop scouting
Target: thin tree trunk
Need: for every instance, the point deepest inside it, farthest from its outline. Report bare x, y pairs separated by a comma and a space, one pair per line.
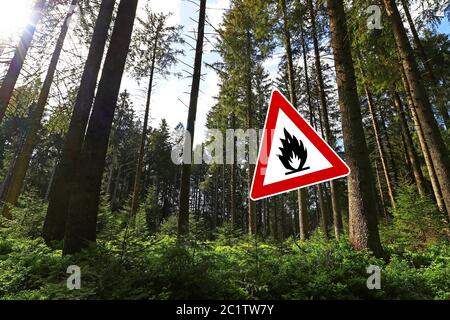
433, 138
183, 215
323, 212
380, 146
337, 216
303, 217
84, 200
50, 183
233, 212
409, 145
252, 221
380, 188
389, 149
9, 82
21, 166
442, 107
137, 179
423, 145
55, 220
363, 224
302, 196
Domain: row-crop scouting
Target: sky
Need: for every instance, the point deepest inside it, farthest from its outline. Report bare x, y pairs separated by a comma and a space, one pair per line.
168, 92
170, 96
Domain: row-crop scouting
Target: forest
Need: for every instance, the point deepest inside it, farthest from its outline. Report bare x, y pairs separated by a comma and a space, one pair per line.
98, 201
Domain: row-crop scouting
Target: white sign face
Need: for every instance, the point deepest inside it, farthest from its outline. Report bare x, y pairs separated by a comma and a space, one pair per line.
292, 154
286, 162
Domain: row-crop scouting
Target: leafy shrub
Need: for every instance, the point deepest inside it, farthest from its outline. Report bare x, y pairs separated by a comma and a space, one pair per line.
28, 216
416, 222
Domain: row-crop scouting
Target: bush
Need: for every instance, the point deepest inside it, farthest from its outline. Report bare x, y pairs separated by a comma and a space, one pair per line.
416, 222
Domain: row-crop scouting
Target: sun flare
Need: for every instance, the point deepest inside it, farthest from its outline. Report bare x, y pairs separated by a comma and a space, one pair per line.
14, 16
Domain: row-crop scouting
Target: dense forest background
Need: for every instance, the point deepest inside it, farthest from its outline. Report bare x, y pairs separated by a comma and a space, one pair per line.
87, 181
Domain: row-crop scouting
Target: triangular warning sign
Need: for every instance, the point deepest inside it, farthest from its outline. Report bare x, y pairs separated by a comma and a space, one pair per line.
292, 154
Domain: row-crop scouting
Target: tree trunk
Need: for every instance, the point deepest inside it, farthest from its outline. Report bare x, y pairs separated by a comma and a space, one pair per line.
9, 82
233, 212
55, 220
84, 200
252, 221
380, 188
303, 218
137, 179
380, 146
384, 131
426, 62
409, 145
21, 166
423, 145
183, 215
337, 216
433, 138
323, 212
302, 196
363, 224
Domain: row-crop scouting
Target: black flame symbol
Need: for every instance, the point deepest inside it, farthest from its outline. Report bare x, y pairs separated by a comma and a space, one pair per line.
293, 153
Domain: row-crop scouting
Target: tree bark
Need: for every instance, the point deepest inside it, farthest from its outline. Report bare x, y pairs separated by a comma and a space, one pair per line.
380, 146
363, 224
337, 216
55, 220
233, 212
433, 138
137, 179
423, 145
323, 212
252, 221
409, 145
302, 195
380, 188
443, 110
389, 149
183, 215
84, 200
9, 82
21, 166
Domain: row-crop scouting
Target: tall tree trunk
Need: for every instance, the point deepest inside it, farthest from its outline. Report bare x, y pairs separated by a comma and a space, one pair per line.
380, 188
380, 146
303, 217
323, 212
363, 224
252, 221
423, 145
55, 220
21, 166
9, 82
409, 145
302, 196
337, 216
183, 215
384, 131
84, 200
137, 179
433, 138
443, 110
233, 212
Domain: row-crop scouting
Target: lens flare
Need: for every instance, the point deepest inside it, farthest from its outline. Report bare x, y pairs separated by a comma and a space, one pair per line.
14, 16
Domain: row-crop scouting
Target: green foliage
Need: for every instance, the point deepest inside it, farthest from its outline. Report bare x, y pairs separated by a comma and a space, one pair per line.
416, 222
28, 217
160, 267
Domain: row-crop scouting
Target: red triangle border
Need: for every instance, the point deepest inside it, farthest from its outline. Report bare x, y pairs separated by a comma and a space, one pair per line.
339, 168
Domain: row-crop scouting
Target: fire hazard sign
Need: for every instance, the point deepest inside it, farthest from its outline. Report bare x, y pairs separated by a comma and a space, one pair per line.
292, 154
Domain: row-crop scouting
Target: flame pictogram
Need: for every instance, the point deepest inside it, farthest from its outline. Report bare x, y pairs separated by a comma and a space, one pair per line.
293, 153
